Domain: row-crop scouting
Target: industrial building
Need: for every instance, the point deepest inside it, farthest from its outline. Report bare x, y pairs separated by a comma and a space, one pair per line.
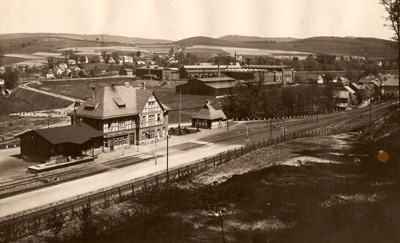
155, 72
203, 71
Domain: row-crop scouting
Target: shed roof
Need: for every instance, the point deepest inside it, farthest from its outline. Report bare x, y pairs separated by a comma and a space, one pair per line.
77, 134
209, 113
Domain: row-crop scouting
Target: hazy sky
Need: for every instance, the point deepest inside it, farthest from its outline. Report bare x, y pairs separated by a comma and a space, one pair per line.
178, 19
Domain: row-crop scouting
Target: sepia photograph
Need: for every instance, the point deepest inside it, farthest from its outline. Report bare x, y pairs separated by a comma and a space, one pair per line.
199, 121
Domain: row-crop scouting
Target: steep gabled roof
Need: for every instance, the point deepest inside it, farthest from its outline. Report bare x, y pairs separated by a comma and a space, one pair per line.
76, 134
209, 113
115, 101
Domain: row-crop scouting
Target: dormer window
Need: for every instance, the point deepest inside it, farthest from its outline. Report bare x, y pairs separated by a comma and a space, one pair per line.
119, 102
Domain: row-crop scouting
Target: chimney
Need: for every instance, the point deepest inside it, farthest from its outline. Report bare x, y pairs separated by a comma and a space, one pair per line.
235, 58
93, 91
219, 73
143, 85
127, 84
112, 85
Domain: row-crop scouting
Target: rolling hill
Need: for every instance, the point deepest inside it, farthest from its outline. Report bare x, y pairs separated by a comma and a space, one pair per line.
370, 47
242, 38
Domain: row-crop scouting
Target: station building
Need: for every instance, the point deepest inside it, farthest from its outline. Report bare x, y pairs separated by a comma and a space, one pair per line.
208, 117
125, 114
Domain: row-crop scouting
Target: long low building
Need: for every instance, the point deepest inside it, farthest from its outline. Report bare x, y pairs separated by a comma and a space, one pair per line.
204, 71
216, 86
159, 72
284, 74
60, 143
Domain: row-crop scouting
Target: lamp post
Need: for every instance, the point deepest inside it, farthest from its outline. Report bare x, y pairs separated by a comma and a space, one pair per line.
370, 112
247, 130
167, 160
155, 150
270, 129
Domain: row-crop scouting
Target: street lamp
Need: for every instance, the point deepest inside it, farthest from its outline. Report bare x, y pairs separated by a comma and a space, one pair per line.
167, 160
247, 130
155, 150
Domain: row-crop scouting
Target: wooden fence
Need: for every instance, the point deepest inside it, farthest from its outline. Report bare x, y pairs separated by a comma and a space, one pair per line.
18, 226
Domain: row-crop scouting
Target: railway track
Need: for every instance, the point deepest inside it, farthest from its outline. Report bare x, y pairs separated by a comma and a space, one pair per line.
46, 179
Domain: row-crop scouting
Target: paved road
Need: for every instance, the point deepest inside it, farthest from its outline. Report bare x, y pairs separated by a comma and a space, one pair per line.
59, 193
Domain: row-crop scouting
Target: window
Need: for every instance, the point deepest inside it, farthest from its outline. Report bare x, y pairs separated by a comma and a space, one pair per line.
121, 141
151, 119
152, 134
159, 117
164, 131
143, 135
115, 141
105, 144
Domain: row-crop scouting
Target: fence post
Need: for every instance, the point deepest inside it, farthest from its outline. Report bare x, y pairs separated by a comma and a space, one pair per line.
179, 173
220, 158
214, 161
197, 167
72, 211
133, 190
119, 193
241, 150
145, 186
229, 158
187, 169
105, 200
157, 181
235, 154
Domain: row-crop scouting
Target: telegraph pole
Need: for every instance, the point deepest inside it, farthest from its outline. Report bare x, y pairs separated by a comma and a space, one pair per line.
155, 150
370, 112
167, 161
270, 129
247, 130
180, 108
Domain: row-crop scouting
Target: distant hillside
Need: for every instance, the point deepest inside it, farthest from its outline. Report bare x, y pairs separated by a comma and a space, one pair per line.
370, 47
242, 38
28, 43
126, 40
208, 41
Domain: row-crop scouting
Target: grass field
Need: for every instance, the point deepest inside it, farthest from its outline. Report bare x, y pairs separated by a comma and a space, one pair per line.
5, 61
165, 92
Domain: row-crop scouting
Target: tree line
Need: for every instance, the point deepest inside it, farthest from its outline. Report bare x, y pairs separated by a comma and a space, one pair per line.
252, 101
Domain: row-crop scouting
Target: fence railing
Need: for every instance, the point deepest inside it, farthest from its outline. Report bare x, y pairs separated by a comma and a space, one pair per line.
23, 224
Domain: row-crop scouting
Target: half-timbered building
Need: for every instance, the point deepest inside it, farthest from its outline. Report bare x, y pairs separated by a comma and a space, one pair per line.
126, 114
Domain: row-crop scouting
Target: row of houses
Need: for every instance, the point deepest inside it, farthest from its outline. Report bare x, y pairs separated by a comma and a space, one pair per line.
384, 87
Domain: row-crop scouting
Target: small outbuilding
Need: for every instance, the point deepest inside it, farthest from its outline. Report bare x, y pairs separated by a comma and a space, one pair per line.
208, 117
60, 144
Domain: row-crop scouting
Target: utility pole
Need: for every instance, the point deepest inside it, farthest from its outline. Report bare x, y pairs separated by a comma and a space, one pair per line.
247, 130
370, 112
180, 108
167, 161
48, 119
155, 150
270, 129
